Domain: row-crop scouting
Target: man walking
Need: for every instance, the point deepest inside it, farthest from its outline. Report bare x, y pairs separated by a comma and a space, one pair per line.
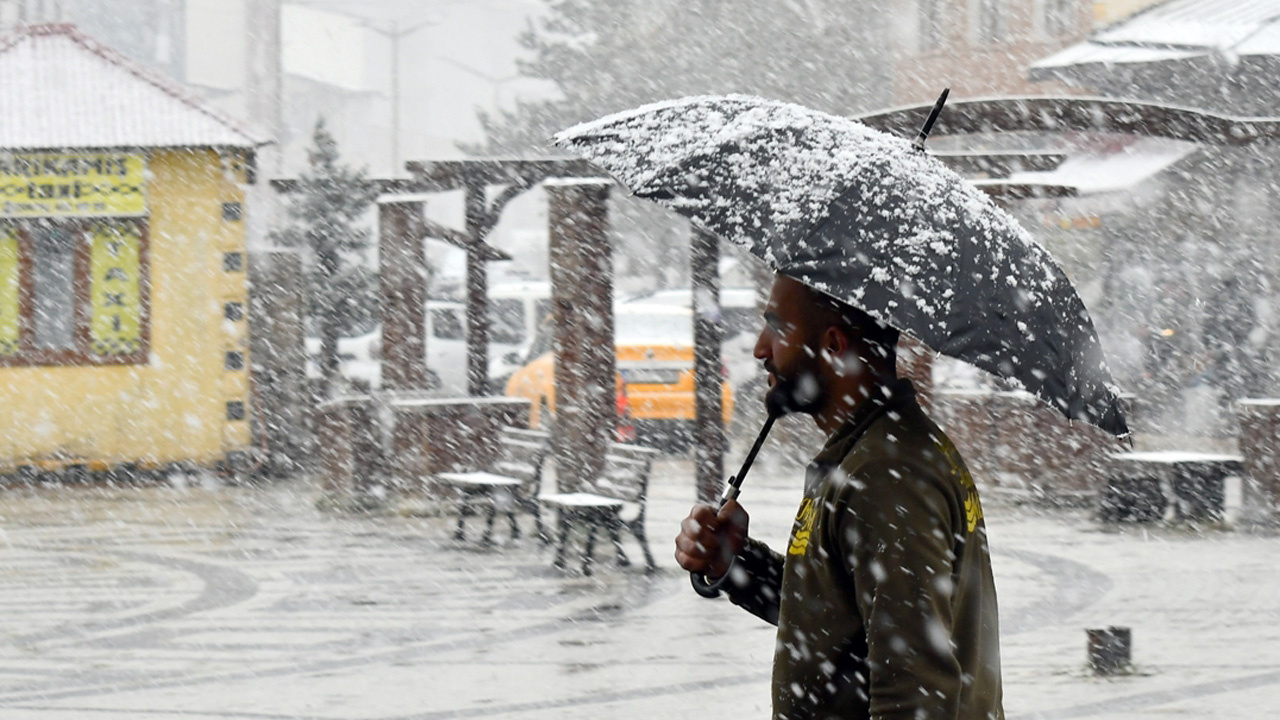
884, 597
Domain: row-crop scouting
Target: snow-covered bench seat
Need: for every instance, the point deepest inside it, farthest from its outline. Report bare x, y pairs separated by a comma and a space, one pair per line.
615, 501
511, 483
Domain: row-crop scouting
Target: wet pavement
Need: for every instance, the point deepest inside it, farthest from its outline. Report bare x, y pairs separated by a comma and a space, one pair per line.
232, 602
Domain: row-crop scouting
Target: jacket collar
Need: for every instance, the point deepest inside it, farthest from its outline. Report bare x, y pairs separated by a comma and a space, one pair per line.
863, 416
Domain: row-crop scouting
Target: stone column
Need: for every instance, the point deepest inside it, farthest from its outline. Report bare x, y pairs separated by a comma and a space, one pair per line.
582, 298
275, 315
477, 294
708, 435
1259, 422
1060, 462
402, 269
349, 449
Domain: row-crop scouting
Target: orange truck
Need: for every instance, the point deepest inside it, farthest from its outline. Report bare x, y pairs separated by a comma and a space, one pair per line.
654, 346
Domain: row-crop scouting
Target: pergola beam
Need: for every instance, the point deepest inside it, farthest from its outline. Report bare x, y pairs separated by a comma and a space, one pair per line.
435, 231
1004, 190
385, 185
442, 175
999, 164
1060, 114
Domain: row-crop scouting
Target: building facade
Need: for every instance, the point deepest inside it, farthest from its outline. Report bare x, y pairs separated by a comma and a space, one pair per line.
982, 48
1221, 55
124, 333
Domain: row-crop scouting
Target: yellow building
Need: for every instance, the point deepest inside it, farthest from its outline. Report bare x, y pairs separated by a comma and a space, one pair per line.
124, 334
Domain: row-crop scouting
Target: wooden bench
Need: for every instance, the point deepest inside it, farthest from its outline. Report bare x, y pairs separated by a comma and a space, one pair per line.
616, 500
511, 483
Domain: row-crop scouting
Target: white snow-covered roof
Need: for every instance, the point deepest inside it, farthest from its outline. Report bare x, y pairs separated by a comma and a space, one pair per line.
1087, 53
1112, 166
1264, 42
59, 89
1180, 29
1221, 24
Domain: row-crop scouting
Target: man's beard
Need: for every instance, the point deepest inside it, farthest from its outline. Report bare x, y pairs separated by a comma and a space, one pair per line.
798, 392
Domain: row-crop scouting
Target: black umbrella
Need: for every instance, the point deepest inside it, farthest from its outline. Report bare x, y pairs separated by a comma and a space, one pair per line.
870, 220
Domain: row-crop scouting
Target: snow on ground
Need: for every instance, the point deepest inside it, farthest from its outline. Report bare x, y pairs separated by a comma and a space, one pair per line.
233, 602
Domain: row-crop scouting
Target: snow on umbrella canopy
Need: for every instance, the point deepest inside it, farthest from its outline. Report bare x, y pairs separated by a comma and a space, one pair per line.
867, 219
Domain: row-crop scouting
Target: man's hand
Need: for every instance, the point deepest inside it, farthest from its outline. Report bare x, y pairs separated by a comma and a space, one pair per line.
708, 541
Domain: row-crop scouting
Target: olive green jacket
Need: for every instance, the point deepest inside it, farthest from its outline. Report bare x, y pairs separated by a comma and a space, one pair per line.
884, 601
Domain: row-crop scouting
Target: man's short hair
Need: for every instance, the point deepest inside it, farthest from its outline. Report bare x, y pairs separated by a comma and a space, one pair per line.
858, 323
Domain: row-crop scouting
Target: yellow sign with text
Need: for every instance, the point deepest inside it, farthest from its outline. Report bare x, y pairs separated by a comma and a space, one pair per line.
115, 325
72, 184
10, 292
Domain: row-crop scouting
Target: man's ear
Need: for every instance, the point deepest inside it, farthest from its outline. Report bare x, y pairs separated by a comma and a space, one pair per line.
835, 341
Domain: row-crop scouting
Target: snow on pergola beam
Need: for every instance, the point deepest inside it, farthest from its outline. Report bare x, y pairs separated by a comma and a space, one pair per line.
439, 175
1005, 190
1090, 114
284, 186
432, 230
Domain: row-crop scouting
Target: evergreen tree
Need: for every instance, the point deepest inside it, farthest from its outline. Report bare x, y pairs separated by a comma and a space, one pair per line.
610, 55
324, 213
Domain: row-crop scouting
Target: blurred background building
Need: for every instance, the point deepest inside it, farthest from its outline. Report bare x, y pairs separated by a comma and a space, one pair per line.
398, 80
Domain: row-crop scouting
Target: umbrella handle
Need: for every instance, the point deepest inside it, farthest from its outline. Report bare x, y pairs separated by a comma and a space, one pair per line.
703, 585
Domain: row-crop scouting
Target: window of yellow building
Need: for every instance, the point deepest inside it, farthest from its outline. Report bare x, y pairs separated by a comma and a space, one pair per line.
73, 259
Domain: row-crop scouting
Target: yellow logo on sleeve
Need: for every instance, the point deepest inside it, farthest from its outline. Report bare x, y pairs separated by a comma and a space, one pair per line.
972, 510
972, 505
803, 528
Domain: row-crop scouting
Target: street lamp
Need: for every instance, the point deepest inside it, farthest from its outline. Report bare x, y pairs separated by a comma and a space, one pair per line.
394, 34
494, 82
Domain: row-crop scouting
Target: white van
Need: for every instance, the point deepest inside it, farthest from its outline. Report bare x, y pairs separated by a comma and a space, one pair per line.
738, 311
516, 309
359, 359
446, 328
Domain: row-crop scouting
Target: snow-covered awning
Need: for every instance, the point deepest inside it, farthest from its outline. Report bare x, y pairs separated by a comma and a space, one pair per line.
1111, 167
63, 90
1264, 42
1216, 24
1087, 53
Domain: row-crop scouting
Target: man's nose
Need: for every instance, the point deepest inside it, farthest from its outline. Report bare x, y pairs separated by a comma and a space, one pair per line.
762, 350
